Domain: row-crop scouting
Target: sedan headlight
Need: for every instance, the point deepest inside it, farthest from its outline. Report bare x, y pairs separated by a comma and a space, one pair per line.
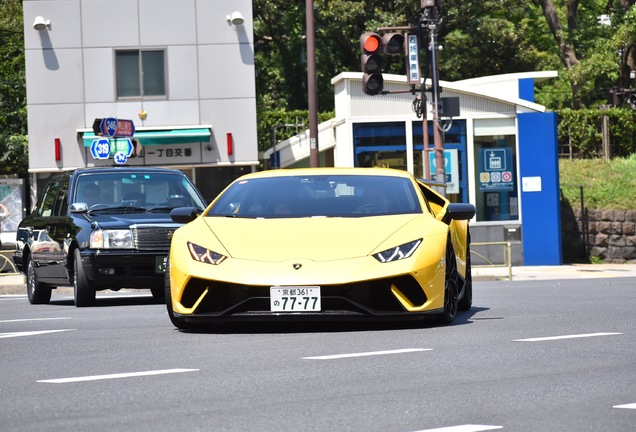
399, 252
112, 239
201, 254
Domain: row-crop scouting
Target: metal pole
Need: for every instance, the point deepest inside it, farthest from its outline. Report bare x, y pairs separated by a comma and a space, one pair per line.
314, 159
440, 172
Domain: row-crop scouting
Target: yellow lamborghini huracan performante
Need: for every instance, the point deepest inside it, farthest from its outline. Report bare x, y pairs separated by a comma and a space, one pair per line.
321, 243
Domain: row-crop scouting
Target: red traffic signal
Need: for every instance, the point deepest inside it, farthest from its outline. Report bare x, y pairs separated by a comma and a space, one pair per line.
371, 63
393, 43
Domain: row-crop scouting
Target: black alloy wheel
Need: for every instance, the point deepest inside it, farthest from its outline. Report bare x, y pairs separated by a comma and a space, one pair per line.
450, 286
467, 301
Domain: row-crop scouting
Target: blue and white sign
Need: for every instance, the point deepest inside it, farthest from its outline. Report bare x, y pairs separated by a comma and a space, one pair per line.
100, 148
495, 169
109, 126
120, 158
451, 169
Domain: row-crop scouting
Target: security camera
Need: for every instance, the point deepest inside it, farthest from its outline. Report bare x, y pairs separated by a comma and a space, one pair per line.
40, 23
209, 147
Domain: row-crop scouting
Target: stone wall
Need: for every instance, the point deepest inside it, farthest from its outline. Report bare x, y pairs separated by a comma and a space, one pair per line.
608, 235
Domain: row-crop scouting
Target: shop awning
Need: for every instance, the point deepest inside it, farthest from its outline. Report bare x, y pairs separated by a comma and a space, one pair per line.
161, 136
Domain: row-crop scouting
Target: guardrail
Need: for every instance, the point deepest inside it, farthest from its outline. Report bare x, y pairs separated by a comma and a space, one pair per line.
507, 254
6, 264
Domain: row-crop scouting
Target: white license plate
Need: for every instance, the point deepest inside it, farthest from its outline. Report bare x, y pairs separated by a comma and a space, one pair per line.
294, 298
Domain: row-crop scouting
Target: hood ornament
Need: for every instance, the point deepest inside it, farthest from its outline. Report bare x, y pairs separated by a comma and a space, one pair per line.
297, 266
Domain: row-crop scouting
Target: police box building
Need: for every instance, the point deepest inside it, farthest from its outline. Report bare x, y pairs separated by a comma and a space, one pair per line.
141, 82
500, 153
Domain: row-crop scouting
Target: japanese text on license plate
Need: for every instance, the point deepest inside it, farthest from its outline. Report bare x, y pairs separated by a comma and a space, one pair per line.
295, 299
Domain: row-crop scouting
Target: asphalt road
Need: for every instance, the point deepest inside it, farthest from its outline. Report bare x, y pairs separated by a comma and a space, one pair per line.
530, 356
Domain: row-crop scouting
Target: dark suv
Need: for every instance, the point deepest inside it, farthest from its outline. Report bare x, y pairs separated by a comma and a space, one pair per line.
102, 228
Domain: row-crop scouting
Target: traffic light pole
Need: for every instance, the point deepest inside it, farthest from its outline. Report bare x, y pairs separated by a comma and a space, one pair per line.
312, 91
440, 169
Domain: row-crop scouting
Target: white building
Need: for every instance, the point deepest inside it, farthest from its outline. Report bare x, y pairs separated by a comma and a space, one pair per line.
181, 70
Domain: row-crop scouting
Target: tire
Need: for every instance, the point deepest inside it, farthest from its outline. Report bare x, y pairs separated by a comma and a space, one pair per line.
158, 292
467, 301
179, 323
37, 292
450, 287
83, 291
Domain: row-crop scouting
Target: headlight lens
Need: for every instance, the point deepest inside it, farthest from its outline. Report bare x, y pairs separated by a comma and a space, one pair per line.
201, 254
399, 252
112, 239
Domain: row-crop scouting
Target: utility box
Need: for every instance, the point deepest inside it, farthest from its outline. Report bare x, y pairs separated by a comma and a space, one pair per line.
512, 233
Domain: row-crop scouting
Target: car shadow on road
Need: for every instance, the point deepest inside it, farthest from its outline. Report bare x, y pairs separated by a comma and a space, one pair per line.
277, 327
114, 299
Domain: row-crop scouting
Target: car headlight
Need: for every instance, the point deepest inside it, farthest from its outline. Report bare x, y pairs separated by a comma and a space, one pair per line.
201, 254
112, 239
399, 252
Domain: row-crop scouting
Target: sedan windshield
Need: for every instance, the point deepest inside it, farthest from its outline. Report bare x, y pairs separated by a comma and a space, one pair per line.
128, 191
317, 196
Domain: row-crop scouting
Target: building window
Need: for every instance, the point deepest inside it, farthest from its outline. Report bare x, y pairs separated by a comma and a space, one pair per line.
380, 144
140, 73
496, 178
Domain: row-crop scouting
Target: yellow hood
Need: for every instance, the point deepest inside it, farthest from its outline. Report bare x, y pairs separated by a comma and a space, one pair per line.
316, 239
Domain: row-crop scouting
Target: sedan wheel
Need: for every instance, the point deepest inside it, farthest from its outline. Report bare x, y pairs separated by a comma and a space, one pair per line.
37, 292
82, 288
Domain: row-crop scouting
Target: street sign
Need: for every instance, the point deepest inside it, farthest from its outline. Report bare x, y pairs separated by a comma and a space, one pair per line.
108, 126
123, 145
125, 128
120, 158
112, 127
100, 148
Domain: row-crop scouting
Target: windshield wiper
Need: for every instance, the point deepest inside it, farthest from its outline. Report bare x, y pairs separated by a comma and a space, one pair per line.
117, 209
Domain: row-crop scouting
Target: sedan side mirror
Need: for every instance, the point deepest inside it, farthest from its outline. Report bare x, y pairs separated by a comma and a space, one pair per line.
79, 207
184, 215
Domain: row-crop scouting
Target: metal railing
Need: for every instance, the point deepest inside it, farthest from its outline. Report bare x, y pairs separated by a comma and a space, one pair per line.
6, 266
507, 255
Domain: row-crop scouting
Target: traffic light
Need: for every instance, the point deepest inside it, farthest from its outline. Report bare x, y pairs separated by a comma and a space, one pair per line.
393, 43
371, 63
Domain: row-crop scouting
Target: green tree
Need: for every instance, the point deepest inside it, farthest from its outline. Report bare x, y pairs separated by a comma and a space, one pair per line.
13, 117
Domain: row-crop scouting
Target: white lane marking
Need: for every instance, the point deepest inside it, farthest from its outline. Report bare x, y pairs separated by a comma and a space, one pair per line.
116, 376
626, 406
549, 338
31, 333
34, 319
464, 428
364, 354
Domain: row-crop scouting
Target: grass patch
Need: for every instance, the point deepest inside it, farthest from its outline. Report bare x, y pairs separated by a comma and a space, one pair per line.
608, 185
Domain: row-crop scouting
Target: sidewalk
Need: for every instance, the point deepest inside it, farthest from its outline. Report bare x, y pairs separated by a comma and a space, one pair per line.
565, 271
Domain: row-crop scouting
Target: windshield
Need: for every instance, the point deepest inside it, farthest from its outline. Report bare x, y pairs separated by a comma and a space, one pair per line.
318, 195
136, 191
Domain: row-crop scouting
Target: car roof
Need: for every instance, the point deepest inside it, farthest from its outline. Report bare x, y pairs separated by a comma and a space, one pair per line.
374, 171
114, 169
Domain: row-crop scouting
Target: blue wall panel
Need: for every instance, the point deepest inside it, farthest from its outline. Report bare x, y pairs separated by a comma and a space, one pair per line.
540, 193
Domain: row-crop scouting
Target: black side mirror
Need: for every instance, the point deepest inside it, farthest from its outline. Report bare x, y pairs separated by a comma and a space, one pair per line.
459, 211
184, 215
